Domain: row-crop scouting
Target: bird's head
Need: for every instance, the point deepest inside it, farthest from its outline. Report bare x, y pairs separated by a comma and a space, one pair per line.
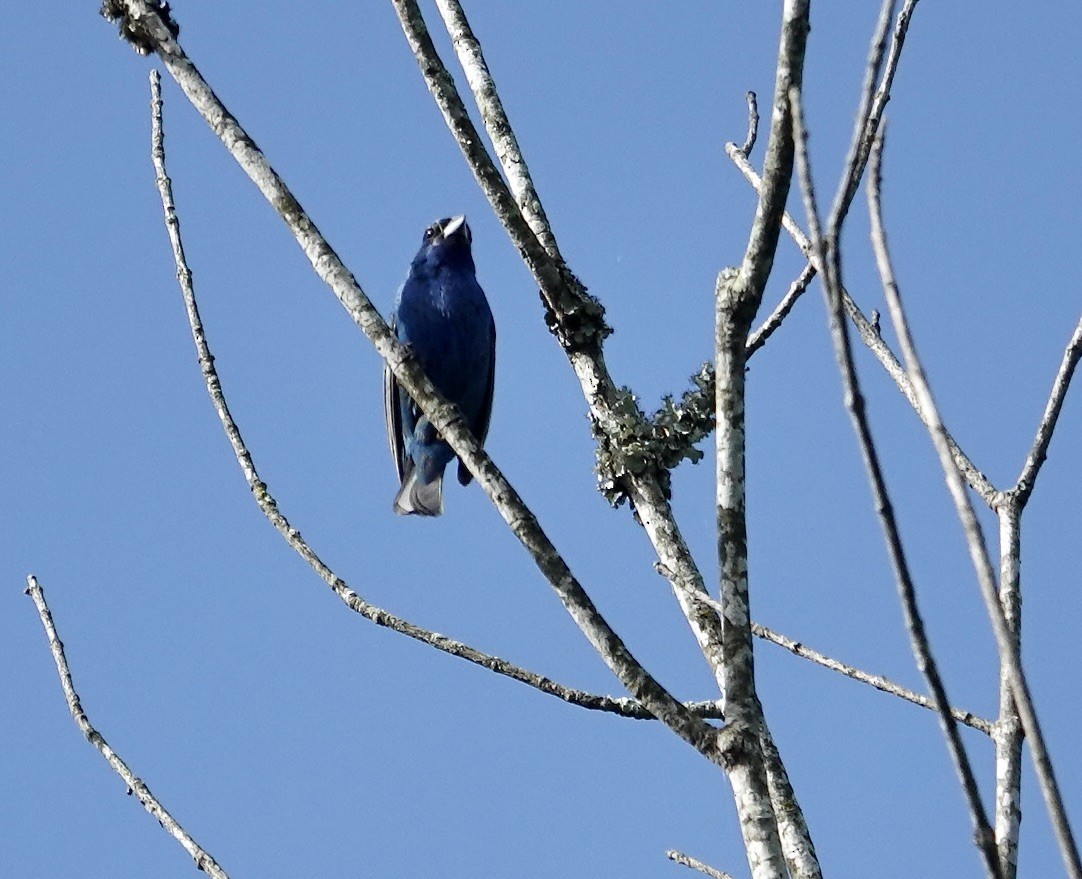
446, 242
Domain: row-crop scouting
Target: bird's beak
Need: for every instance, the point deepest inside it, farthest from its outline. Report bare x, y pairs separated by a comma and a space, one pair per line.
453, 225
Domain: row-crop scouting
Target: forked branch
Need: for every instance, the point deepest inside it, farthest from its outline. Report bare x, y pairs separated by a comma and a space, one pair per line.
1005, 639
825, 254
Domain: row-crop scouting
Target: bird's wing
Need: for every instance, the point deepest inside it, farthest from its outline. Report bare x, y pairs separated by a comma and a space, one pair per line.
480, 425
392, 413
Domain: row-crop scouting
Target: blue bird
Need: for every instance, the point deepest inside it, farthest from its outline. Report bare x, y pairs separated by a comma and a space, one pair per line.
442, 314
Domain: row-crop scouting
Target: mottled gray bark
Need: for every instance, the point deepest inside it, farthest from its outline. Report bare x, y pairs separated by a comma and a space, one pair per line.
1008, 729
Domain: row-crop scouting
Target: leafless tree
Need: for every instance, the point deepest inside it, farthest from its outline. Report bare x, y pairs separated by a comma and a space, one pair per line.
636, 452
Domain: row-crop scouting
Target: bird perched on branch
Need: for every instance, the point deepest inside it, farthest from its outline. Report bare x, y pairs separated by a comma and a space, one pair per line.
442, 314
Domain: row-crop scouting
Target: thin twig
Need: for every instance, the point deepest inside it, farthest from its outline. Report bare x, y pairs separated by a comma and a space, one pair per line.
879, 682
1010, 659
872, 103
136, 786
442, 415
824, 251
766, 329
884, 685
753, 125
688, 861
1024, 485
863, 132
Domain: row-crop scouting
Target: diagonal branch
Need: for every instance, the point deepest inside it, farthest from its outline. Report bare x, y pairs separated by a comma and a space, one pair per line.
1036, 457
879, 682
574, 316
872, 104
500, 133
766, 329
203, 861
1011, 664
884, 685
444, 417
825, 253
695, 864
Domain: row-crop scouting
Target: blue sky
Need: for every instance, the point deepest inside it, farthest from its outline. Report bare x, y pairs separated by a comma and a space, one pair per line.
292, 738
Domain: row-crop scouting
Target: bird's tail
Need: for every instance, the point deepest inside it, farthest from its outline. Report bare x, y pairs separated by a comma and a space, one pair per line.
417, 498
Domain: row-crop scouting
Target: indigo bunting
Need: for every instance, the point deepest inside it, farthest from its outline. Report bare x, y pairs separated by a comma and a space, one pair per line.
442, 314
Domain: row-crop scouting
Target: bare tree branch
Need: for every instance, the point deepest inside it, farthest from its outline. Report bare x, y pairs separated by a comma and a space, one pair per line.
776, 836
766, 329
1008, 728
878, 681
738, 296
872, 103
574, 316
743, 713
753, 125
444, 417
778, 162
136, 786
824, 252
688, 861
468, 50
884, 685
1010, 660
1027, 478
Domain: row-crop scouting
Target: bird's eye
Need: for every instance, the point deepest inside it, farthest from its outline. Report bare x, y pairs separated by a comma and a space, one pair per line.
429, 232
